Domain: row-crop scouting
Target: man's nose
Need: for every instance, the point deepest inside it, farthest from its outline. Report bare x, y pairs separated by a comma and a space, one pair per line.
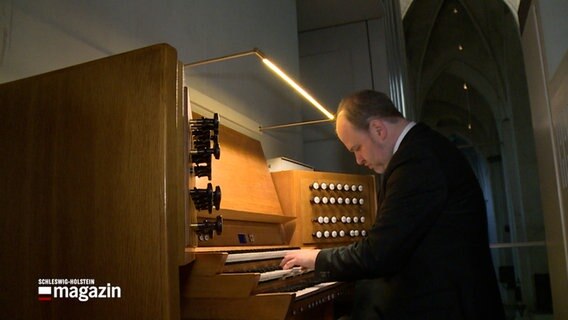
359, 159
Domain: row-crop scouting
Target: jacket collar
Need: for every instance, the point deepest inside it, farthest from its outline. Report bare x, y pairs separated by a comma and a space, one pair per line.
403, 134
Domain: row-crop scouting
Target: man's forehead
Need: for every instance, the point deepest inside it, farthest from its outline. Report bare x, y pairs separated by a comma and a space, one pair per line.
341, 124
341, 119
347, 133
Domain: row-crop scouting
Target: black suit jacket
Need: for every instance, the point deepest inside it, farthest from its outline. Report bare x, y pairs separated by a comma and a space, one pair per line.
429, 246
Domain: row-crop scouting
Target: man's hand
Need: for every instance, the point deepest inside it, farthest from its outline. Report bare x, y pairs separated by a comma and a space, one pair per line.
302, 258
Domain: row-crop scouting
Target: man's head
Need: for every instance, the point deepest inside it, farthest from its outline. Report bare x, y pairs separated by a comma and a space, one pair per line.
369, 124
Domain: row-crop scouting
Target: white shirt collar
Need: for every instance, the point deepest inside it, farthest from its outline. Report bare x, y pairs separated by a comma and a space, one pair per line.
402, 134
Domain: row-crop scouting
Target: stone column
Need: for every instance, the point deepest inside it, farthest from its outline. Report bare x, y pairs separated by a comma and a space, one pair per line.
396, 58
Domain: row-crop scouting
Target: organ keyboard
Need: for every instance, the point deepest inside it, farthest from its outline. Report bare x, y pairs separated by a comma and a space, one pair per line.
253, 255
253, 278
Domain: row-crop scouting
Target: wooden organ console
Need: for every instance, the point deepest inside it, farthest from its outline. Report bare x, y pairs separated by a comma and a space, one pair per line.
235, 273
109, 177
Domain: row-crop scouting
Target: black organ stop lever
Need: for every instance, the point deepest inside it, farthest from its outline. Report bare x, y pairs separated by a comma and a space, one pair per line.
203, 149
206, 124
204, 131
205, 143
205, 228
206, 199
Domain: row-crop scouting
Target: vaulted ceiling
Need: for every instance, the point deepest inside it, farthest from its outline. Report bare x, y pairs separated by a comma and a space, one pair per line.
463, 59
464, 62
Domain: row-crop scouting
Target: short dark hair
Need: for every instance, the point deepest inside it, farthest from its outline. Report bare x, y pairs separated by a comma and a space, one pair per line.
361, 107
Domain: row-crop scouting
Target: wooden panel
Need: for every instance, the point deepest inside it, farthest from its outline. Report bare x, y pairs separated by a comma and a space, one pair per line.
248, 216
208, 264
93, 186
263, 306
246, 233
234, 285
242, 174
294, 190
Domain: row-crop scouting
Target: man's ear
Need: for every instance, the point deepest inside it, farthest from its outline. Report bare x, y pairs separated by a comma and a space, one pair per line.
377, 128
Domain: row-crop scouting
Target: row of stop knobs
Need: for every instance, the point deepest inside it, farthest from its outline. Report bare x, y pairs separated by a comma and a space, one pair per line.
343, 219
339, 200
338, 187
340, 234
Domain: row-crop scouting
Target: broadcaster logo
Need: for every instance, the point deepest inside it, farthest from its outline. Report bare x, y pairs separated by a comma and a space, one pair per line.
80, 289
